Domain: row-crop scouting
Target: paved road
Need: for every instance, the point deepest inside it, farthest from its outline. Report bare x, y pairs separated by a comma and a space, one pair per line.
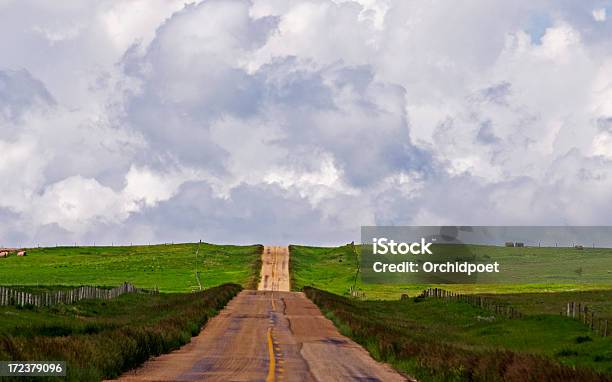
267, 335
274, 269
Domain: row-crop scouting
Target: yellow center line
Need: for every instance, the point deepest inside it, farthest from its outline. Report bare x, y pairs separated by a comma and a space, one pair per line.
272, 366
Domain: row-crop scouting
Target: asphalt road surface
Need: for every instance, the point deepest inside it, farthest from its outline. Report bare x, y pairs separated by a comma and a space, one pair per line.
274, 269
267, 335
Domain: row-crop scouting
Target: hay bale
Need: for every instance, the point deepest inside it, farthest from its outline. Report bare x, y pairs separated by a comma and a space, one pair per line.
509, 244
578, 247
4, 254
517, 244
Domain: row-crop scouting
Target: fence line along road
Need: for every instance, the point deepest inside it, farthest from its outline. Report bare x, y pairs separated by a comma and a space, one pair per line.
575, 310
581, 312
9, 296
474, 300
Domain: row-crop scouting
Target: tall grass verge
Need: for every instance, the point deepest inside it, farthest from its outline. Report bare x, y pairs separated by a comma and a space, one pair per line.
255, 274
111, 340
412, 347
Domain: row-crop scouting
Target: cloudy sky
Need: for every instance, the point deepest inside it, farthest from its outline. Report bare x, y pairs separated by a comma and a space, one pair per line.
286, 121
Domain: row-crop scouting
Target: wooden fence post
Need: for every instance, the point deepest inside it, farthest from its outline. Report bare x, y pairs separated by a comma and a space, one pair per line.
9, 296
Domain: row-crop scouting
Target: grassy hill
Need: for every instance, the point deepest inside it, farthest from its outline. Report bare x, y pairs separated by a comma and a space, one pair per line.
170, 267
333, 269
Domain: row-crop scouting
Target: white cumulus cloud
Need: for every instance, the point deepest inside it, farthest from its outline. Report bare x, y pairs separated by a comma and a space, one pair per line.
299, 121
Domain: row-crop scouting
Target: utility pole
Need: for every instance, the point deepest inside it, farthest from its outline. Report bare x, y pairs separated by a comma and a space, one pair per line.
358, 267
197, 274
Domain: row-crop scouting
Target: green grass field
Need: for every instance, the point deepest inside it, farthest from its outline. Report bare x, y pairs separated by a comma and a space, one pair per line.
100, 339
431, 331
437, 340
170, 267
333, 269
